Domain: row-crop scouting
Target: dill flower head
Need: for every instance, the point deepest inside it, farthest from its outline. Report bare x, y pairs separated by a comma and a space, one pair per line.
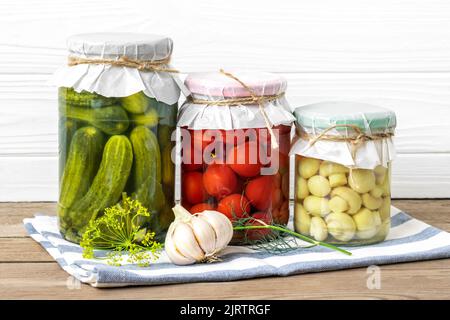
121, 231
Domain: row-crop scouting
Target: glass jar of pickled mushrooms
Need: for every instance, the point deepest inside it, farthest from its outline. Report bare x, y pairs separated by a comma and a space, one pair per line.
343, 153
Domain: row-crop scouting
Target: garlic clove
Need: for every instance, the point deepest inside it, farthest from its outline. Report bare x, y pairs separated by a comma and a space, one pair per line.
174, 255
205, 235
318, 229
352, 197
185, 242
221, 225
328, 168
302, 220
341, 226
361, 180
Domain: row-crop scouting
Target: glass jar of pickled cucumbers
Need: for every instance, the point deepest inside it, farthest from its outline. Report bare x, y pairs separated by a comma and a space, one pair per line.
232, 161
115, 127
343, 153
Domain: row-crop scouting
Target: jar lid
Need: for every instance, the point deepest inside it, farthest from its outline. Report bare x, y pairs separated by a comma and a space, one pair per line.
138, 46
324, 115
216, 84
119, 81
317, 122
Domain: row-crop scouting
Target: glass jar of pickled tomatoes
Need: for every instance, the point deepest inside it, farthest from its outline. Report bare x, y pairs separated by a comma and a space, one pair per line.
342, 172
235, 140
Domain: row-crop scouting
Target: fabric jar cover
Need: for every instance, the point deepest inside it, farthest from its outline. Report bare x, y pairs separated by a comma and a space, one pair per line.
119, 81
215, 86
314, 119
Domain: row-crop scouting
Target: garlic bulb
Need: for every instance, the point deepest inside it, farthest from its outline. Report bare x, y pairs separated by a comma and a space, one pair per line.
197, 237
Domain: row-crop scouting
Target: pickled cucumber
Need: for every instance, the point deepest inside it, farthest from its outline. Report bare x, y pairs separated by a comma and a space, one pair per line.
107, 186
70, 97
111, 120
137, 103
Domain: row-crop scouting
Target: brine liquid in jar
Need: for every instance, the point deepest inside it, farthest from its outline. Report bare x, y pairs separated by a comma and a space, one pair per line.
237, 173
109, 146
341, 205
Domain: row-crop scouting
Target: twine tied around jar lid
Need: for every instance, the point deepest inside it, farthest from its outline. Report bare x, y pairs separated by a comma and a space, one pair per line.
254, 98
355, 141
123, 61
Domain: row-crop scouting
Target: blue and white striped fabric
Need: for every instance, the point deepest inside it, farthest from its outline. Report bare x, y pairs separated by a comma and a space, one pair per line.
409, 240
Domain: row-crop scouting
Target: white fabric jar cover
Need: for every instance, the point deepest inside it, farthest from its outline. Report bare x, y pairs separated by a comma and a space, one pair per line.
316, 118
215, 86
119, 81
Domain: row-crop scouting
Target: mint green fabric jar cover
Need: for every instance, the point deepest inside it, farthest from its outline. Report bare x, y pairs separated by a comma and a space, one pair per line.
343, 153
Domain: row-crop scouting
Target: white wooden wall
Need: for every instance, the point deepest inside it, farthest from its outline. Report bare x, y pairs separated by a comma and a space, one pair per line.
394, 53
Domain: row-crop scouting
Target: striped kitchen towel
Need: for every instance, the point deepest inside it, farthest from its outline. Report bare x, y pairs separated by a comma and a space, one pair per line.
409, 240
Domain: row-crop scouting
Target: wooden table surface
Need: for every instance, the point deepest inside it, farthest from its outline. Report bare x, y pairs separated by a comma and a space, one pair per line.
28, 272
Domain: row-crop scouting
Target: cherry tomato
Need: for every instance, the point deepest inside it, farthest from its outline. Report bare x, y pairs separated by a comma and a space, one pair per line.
263, 136
275, 213
282, 134
234, 206
285, 185
240, 186
191, 167
277, 198
283, 159
192, 158
204, 138
284, 144
186, 205
219, 180
278, 162
215, 158
277, 180
201, 207
281, 216
283, 129
259, 190
192, 187
257, 234
244, 159
189, 158
239, 136
238, 237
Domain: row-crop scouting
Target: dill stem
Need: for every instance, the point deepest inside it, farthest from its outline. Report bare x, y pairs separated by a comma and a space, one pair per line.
295, 234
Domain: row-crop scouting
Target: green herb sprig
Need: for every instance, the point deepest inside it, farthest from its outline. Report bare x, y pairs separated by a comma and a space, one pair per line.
120, 230
278, 240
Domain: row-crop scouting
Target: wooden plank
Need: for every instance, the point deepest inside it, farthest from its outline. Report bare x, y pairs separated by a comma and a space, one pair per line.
434, 212
12, 215
27, 271
22, 250
15, 246
322, 36
420, 280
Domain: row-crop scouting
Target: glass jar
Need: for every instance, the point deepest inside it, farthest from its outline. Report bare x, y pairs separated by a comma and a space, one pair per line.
231, 161
342, 172
115, 138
